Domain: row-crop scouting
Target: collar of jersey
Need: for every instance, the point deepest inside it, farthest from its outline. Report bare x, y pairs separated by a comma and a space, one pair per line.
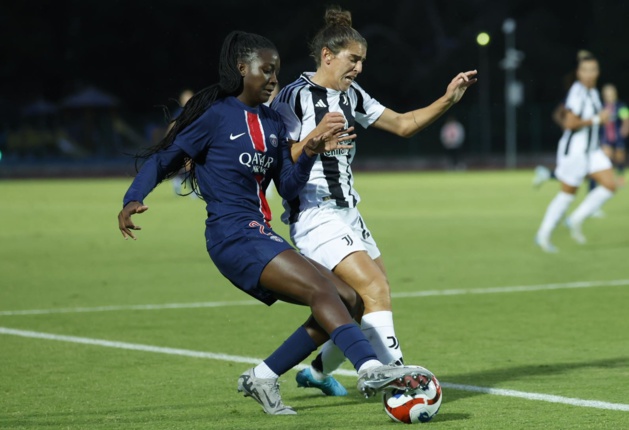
307, 76
235, 102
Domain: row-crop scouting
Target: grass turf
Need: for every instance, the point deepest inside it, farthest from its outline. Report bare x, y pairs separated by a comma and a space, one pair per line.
437, 231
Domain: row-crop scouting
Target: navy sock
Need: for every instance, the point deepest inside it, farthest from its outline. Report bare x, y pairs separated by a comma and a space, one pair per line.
293, 351
593, 184
351, 340
620, 168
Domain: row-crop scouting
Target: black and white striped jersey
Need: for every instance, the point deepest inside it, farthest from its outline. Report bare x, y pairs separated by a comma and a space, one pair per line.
302, 104
585, 103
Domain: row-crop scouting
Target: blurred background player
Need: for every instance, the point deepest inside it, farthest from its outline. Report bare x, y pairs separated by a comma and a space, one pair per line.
543, 173
452, 137
324, 221
579, 155
614, 133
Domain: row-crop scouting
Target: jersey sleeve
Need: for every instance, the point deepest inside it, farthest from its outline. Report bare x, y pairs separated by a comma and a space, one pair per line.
575, 99
623, 111
368, 109
196, 137
153, 171
287, 111
291, 177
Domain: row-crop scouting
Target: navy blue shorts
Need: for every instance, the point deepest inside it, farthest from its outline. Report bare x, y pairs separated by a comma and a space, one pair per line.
242, 256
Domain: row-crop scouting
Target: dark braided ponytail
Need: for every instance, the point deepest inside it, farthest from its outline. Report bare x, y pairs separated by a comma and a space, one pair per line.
238, 47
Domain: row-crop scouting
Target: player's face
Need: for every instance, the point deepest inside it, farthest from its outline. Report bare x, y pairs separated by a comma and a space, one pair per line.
259, 77
587, 73
346, 65
609, 94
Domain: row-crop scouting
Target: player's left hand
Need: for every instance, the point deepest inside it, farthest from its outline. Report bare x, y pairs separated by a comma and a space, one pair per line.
331, 140
124, 218
459, 84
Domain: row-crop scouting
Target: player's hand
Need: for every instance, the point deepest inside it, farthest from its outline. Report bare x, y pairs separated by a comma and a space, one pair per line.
459, 84
124, 219
330, 140
604, 116
331, 121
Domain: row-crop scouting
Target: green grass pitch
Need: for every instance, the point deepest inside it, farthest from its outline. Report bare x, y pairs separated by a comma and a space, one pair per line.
457, 233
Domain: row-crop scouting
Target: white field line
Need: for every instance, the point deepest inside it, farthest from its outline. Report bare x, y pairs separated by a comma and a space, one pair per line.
516, 289
251, 360
428, 293
132, 307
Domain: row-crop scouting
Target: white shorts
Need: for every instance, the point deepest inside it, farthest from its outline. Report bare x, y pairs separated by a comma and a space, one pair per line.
329, 234
576, 165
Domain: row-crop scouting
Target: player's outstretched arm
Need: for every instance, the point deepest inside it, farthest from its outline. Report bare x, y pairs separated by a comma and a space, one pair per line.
409, 123
124, 218
574, 122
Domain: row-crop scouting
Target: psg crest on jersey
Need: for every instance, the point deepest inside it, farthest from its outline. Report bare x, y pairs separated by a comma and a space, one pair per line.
273, 140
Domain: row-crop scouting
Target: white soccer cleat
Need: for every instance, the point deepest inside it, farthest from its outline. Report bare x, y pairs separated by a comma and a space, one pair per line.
544, 243
264, 391
575, 232
391, 376
542, 174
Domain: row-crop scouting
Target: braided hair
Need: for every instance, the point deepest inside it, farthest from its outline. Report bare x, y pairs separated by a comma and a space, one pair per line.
336, 34
238, 47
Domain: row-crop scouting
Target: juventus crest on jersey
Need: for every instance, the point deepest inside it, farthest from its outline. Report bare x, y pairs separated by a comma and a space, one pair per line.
302, 105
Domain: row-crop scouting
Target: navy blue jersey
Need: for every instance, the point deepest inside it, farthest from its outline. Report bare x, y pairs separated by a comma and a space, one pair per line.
611, 131
237, 150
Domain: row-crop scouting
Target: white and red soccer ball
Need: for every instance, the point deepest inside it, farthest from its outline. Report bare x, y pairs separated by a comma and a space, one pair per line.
417, 406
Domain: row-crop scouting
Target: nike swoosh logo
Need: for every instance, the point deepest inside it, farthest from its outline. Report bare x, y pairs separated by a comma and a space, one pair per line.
232, 137
271, 404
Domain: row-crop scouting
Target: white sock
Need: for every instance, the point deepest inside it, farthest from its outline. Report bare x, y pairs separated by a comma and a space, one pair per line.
592, 202
331, 358
369, 364
378, 329
263, 371
555, 211
316, 374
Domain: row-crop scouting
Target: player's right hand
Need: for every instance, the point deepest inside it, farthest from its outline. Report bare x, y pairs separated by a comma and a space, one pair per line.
331, 121
604, 116
124, 219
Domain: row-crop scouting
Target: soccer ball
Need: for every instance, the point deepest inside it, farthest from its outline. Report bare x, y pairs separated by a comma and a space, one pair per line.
413, 407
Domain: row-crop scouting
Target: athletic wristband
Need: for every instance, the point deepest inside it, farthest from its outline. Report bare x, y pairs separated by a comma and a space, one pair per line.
596, 120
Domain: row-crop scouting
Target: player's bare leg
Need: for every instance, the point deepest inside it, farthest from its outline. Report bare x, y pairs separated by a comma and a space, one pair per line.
554, 212
592, 203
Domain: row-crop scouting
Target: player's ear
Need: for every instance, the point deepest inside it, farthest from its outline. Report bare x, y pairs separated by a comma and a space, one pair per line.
242, 68
326, 55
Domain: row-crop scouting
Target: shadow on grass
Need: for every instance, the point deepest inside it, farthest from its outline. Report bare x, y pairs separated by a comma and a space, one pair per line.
490, 378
